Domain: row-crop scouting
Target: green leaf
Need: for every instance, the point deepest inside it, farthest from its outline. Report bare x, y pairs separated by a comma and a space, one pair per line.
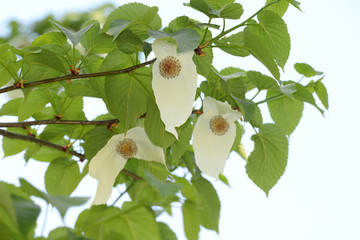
285, 112
74, 37
63, 233
230, 73
288, 89
135, 220
142, 17
92, 223
26, 187
199, 5
273, 31
186, 39
47, 58
261, 81
294, 3
224, 179
11, 108
62, 177
49, 38
27, 213
191, 218
247, 108
40, 72
165, 232
259, 50
279, 8
34, 102
129, 42
63, 203
306, 70
96, 140
234, 45
321, 92
203, 63
303, 94
256, 118
127, 95
155, 128
71, 107
209, 206
234, 76
118, 26
8, 218
166, 189
9, 66
96, 42
116, 60
239, 133
213, 9
14, 146
179, 147
267, 162
231, 11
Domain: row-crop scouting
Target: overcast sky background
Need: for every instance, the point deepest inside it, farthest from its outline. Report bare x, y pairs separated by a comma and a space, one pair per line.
318, 197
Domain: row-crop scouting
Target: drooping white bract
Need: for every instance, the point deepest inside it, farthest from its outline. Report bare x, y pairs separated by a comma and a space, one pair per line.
214, 135
111, 159
174, 83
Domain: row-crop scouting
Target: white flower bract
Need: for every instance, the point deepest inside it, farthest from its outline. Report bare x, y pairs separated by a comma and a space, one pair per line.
213, 136
174, 84
111, 159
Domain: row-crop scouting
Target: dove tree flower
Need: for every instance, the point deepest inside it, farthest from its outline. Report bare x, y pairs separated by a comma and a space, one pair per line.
213, 136
111, 159
174, 83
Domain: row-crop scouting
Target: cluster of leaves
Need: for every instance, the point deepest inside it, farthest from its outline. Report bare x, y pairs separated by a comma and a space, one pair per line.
122, 42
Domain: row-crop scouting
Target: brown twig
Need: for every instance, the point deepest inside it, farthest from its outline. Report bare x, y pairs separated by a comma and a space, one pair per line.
41, 142
130, 174
71, 77
82, 157
56, 121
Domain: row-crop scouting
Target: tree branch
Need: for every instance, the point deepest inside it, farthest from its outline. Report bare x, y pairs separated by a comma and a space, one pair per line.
41, 142
82, 157
56, 121
71, 77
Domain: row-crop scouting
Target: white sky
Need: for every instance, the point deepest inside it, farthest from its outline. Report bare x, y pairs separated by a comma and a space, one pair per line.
318, 197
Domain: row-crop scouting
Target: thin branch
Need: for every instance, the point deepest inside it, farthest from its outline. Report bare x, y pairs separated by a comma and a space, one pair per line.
82, 157
41, 142
71, 77
130, 174
56, 121
223, 33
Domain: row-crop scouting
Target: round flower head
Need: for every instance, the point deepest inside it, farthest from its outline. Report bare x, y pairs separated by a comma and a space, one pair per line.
174, 83
214, 135
111, 159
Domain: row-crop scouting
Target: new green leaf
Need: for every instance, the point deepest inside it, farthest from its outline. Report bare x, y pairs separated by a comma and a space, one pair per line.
267, 162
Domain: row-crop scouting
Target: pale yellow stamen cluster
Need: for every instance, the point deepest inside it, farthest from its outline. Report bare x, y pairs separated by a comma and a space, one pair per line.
219, 125
127, 148
170, 67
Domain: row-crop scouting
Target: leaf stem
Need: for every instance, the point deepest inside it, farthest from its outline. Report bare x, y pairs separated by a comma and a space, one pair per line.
80, 76
122, 194
243, 23
277, 96
255, 95
206, 30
